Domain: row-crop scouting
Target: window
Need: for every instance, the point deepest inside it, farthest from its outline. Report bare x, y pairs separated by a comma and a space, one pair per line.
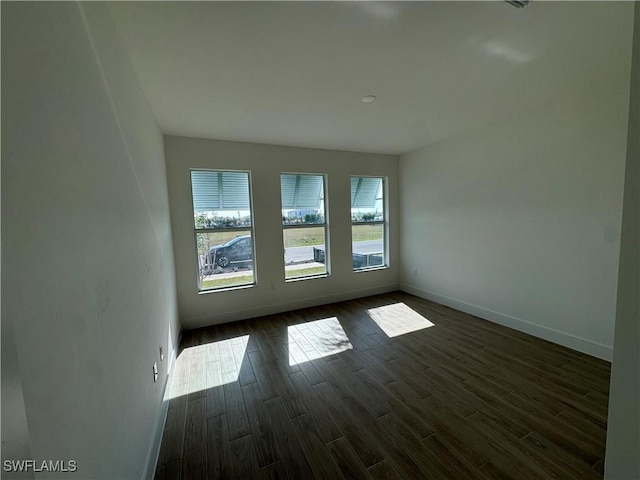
304, 225
368, 239
223, 228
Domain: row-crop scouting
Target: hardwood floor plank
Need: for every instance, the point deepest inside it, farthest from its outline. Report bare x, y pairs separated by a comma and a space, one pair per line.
334, 375
376, 366
354, 427
243, 457
457, 465
515, 450
194, 460
327, 428
408, 453
593, 431
245, 369
402, 391
457, 432
236, 412
215, 400
495, 408
275, 471
599, 467
174, 430
197, 373
219, 459
590, 379
556, 459
170, 471
508, 468
286, 391
409, 414
263, 376
311, 373
293, 457
348, 462
366, 389
335, 392
444, 388
568, 438
264, 438
319, 457
543, 377
398, 369
384, 471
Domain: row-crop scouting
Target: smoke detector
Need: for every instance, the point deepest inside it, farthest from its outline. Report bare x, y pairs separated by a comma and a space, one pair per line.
518, 3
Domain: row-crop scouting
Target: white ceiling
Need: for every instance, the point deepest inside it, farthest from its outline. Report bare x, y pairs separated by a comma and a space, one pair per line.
294, 73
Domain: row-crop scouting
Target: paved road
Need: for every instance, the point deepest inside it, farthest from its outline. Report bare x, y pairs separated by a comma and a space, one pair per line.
296, 255
300, 254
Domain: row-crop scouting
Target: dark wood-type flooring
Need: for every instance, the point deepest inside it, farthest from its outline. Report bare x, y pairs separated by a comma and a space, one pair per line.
348, 391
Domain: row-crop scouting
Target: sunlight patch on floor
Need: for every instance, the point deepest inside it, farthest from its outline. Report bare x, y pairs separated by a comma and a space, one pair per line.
317, 339
398, 319
207, 366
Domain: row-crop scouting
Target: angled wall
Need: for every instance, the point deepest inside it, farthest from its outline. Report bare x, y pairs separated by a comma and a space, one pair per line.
623, 430
87, 261
519, 221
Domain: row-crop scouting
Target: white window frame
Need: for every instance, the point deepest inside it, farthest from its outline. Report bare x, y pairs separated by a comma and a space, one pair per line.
244, 228
324, 224
383, 222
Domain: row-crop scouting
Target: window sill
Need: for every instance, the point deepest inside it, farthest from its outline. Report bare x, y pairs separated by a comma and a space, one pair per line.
371, 269
309, 277
226, 289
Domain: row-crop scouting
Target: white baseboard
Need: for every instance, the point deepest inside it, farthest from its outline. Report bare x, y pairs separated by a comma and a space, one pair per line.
156, 441
154, 450
284, 307
583, 345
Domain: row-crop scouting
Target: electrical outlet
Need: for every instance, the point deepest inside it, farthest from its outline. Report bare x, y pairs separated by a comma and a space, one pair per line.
161, 354
155, 372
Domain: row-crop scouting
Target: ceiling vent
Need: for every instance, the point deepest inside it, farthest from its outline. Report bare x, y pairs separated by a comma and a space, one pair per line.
518, 3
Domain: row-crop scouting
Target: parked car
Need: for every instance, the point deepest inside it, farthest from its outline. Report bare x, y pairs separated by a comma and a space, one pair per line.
239, 249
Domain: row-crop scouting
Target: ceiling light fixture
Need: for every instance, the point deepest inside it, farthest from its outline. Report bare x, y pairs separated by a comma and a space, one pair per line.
368, 98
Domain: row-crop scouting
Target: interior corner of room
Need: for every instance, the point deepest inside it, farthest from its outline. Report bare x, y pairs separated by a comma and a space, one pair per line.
503, 144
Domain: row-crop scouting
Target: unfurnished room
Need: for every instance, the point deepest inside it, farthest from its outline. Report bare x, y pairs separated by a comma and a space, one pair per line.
299, 239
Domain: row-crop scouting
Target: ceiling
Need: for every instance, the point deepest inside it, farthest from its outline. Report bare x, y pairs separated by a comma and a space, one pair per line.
294, 73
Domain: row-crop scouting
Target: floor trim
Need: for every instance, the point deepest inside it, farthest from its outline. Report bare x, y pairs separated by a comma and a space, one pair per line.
583, 345
237, 315
156, 441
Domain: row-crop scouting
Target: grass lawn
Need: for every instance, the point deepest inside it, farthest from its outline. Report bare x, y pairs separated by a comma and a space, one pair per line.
228, 282
248, 279
303, 237
302, 272
362, 233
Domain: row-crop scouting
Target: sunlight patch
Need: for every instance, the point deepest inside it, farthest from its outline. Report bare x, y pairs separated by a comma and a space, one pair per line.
317, 339
207, 366
398, 319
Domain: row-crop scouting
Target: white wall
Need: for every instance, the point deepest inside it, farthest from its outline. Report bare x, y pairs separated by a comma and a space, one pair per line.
519, 222
87, 263
266, 162
15, 433
623, 429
